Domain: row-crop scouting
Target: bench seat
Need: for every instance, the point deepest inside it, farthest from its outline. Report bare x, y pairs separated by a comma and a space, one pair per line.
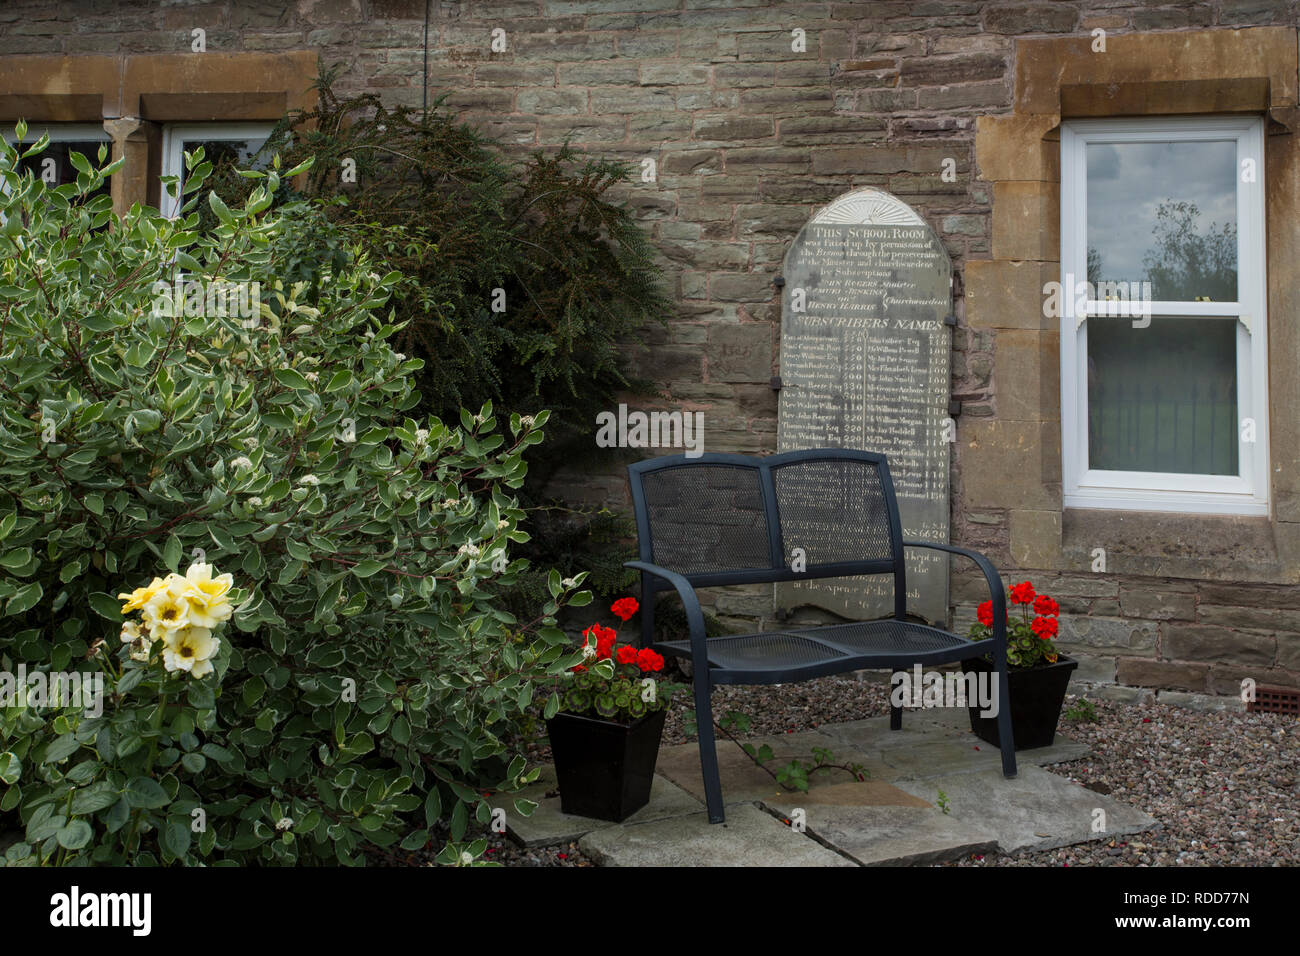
775, 657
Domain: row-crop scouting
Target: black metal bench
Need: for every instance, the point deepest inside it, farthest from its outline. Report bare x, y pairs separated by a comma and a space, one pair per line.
732, 519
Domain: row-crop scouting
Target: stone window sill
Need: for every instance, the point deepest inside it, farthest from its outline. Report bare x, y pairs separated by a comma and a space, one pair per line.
1195, 546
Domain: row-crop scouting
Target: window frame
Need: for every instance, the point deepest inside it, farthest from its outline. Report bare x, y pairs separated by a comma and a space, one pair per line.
174, 137
1083, 487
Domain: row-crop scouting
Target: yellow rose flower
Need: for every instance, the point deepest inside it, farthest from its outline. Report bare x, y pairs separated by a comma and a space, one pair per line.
141, 596
168, 609
207, 595
200, 577
205, 611
190, 649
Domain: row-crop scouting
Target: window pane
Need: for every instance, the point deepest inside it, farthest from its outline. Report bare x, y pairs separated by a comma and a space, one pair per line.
1164, 213
53, 166
1163, 398
224, 152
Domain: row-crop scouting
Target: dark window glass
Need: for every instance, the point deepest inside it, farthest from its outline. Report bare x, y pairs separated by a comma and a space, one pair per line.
55, 168
1163, 398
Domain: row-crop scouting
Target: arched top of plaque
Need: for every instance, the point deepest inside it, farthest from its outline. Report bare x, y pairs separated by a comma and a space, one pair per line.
869, 205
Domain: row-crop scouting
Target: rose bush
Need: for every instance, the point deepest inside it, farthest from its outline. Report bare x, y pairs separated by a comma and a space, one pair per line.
368, 681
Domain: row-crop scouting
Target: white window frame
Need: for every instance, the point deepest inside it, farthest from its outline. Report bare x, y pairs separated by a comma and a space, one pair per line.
175, 136
1085, 487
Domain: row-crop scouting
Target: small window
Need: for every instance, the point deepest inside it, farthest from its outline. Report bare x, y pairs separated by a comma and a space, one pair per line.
1163, 345
54, 163
223, 143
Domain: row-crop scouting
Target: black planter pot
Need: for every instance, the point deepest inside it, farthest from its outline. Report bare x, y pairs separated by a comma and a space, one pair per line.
1037, 694
604, 768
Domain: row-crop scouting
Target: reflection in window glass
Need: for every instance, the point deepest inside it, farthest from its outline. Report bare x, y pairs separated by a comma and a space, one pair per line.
1163, 398
1164, 213
54, 167
222, 153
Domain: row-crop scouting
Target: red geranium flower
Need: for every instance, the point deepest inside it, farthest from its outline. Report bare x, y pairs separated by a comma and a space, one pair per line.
985, 613
625, 608
648, 660
1044, 627
1045, 605
601, 631
626, 654
1022, 593
578, 668
605, 638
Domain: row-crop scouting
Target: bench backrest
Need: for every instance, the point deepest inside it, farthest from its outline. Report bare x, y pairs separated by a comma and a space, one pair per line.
735, 519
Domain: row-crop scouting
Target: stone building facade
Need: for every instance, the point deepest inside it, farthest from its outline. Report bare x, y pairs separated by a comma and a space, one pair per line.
756, 112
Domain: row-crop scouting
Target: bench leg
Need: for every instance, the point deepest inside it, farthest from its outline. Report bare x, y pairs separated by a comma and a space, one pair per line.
1008, 744
895, 713
708, 745
647, 612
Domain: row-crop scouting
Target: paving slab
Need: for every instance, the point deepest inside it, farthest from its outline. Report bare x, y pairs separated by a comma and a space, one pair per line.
879, 824
548, 825
1062, 750
867, 793
896, 835
938, 741
872, 734
1038, 810
745, 782
948, 719
750, 837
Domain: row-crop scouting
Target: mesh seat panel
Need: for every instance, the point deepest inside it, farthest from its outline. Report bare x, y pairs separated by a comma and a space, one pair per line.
707, 518
834, 509
854, 643
771, 650
888, 637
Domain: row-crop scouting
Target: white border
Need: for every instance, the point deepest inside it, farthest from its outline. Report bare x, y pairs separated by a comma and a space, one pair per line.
1246, 493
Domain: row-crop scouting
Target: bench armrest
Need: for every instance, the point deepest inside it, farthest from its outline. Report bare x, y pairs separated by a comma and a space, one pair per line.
690, 603
997, 591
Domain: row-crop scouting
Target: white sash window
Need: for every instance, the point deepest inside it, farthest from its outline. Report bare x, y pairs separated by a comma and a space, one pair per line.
1164, 372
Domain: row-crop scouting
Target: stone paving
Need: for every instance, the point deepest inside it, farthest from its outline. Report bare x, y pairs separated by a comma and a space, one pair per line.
935, 793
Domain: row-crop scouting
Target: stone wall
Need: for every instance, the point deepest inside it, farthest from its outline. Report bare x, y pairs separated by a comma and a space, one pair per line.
747, 136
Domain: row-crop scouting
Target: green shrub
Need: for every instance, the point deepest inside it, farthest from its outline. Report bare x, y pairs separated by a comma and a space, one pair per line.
522, 279
367, 682
544, 239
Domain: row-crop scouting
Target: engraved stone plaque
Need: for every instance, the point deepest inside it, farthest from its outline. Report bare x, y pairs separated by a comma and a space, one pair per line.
865, 364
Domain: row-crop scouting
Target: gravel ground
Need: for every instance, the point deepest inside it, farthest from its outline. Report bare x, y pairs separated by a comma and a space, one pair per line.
500, 850
1222, 785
